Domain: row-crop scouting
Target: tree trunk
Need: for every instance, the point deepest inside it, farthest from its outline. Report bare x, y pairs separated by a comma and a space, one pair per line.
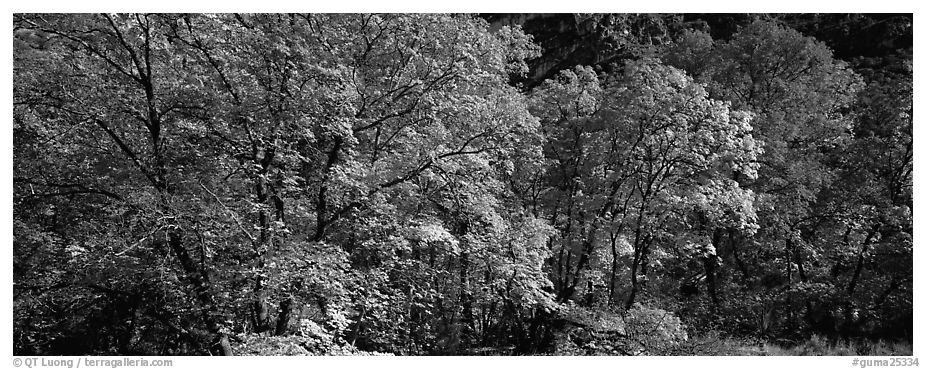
798, 259
321, 203
587, 248
467, 319
734, 248
788, 262
613, 280
261, 314
849, 306
634, 283
861, 261
286, 307
202, 290
710, 273
644, 261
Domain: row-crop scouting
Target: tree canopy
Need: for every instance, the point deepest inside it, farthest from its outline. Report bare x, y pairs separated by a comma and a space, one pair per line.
454, 184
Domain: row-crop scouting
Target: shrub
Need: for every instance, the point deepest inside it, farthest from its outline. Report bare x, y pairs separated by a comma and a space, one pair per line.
312, 340
654, 329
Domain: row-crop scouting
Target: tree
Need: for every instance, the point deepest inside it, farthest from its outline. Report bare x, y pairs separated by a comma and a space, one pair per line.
639, 159
812, 127
265, 151
106, 76
362, 183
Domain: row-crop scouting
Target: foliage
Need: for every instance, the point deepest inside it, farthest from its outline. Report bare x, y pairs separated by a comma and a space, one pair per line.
311, 340
655, 330
341, 184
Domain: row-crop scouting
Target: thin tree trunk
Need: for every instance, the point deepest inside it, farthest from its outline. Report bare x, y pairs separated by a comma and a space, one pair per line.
849, 303
321, 204
788, 262
895, 284
202, 290
634, 282
733, 241
861, 261
710, 272
261, 314
283, 318
795, 253
613, 281
466, 302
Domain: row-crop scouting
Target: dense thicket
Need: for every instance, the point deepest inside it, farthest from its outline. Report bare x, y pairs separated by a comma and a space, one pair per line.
449, 184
